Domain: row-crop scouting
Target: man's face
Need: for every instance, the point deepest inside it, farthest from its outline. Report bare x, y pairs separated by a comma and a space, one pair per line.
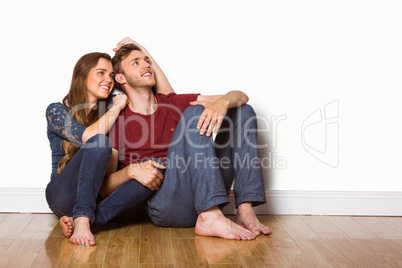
137, 70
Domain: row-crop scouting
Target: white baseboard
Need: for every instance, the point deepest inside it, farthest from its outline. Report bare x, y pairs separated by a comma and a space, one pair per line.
33, 200
328, 203
24, 200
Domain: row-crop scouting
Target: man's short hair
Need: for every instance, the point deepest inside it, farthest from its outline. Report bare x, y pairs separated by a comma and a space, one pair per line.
121, 55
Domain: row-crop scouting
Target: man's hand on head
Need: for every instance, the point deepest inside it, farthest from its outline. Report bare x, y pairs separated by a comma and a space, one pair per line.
125, 41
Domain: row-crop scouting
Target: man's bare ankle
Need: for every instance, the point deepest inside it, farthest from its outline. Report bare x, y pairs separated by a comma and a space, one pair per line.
81, 219
245, 208
210, 212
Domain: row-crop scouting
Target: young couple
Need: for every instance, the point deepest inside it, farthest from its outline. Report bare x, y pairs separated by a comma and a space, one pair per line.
159, 150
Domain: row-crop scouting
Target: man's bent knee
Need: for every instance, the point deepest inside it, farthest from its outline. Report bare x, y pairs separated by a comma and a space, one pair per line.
193, 111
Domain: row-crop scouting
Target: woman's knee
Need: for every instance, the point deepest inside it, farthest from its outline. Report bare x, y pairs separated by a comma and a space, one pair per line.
101, 143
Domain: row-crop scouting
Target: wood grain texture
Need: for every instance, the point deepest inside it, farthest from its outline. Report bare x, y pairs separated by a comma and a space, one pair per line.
92, 255
35, 240
183, 233
11, 227
189, 253
56, 252
155, 245
352, 228
122, 252
380, 227
221, 251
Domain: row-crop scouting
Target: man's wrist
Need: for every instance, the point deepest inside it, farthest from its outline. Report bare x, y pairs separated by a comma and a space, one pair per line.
223, 101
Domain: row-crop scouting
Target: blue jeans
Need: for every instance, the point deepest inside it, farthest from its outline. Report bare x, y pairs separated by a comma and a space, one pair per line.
74, 191
199, 172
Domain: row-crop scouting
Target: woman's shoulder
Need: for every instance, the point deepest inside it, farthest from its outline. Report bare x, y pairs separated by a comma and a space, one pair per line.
56, 107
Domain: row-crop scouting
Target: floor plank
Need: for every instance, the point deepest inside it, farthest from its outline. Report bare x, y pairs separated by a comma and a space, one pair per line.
396, 222
183, 233
296, 227
34, 235
123, 252
91, 255
396, 244
335, 237
189, 253
157, 265
384, 254
155, 245
56, 252
221, 251
17, 259
226, 265
379, 227
274, 250
10, 228
35, 240
29, 242
317, 250
352, 228
127, 230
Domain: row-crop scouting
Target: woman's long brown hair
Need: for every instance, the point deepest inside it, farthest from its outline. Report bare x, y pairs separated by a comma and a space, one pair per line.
78, 95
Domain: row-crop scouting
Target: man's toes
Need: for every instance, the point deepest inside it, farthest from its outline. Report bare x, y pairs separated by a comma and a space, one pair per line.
256, 232
247, 235
265, 230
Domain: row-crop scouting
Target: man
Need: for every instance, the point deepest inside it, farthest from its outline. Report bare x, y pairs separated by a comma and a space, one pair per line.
169, 149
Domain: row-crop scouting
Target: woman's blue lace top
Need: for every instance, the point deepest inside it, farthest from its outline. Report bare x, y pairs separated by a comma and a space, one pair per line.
61, 126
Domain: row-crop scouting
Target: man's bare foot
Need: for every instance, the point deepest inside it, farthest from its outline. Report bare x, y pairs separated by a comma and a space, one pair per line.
67, 226
82, 234
246, 217
212, 222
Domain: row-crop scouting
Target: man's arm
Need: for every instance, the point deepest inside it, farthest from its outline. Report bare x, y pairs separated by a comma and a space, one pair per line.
215, 109
162, 83
145, 173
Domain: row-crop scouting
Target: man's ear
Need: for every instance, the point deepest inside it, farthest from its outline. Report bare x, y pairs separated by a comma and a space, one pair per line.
120, 79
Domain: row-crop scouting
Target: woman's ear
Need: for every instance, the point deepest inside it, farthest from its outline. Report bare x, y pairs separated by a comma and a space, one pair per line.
120, 79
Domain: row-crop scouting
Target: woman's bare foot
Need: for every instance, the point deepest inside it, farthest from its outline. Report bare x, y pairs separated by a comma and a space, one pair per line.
82, 234
67, 226
247, 218
212, 222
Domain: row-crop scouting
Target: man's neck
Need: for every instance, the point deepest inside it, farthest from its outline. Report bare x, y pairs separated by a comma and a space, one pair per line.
141, 100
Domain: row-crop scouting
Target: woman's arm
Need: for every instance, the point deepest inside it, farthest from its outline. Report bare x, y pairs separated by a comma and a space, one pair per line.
105, 123
145, 173
162, 83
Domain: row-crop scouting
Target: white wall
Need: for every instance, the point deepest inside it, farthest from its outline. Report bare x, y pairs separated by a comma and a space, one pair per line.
291, 57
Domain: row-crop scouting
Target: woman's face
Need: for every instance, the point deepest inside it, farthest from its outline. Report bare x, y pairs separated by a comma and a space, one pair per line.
100, 81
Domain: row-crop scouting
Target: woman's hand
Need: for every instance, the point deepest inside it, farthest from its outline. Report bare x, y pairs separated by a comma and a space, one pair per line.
120, 101
125, 41
212, 115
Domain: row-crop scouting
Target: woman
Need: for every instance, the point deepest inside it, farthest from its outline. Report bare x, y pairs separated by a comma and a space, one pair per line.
81, 151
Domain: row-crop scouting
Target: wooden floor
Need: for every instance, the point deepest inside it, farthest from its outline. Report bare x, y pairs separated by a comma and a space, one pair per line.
35, 240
